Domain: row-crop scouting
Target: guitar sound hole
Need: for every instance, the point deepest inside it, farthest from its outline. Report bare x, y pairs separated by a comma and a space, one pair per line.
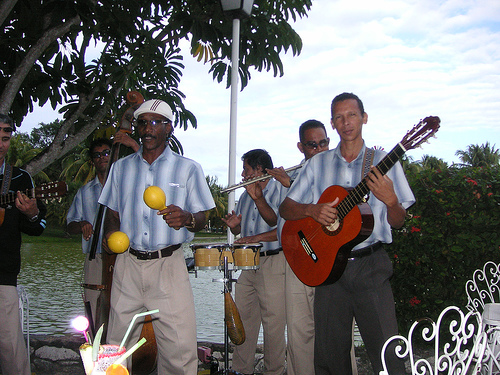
333, 228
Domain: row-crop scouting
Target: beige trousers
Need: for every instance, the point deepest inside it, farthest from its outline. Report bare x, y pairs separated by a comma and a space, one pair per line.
13, 353
144, 285
260, 298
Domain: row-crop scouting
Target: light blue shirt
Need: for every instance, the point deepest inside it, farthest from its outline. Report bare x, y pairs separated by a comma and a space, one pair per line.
252, 222
181, 179
330, 168
84, 207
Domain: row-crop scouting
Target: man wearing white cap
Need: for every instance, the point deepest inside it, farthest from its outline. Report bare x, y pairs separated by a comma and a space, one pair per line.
152, 274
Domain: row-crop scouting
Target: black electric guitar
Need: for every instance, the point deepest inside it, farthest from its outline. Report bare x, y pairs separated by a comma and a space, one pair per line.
45, 191
317, 253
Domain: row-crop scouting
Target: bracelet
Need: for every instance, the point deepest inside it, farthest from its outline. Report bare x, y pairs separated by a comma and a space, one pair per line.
193, 222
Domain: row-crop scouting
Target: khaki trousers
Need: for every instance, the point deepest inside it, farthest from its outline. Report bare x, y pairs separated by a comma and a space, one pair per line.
144, 285
13, 353
260, 298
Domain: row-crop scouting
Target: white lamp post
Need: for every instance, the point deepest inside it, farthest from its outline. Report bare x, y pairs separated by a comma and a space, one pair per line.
238, 9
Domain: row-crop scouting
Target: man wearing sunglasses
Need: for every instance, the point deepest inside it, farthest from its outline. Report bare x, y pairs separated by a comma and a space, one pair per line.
152, 274
299, 298
81, 214
26, 215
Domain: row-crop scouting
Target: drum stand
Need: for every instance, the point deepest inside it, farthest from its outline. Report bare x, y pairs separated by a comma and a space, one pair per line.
227, 280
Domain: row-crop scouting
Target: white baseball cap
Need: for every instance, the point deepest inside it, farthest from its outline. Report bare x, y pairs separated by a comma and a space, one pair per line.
155, 106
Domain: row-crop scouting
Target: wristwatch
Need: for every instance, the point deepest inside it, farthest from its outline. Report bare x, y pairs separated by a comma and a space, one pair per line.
34, 218
192, 224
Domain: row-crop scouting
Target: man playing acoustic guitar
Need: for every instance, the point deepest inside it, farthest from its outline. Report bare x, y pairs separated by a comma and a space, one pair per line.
27, 215
363, 290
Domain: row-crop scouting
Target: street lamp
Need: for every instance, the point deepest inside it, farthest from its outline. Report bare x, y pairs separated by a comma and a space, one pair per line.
238, 9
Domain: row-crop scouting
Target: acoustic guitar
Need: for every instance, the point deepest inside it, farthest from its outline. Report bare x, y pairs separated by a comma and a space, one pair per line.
45, 191
318, 254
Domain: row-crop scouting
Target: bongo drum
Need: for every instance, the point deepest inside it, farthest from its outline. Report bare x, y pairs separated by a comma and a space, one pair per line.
246, 256
211, 256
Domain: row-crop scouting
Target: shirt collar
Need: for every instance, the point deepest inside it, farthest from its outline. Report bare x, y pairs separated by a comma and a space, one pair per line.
339, 155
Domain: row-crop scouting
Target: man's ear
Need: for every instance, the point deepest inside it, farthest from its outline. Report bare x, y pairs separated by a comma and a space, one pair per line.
300, 146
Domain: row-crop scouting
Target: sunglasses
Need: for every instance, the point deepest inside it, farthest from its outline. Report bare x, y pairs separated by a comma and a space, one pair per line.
153, 123
7, 130
98, 155
313, 145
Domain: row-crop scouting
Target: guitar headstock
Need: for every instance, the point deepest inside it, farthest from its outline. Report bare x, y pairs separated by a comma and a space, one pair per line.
421, 132
51, 190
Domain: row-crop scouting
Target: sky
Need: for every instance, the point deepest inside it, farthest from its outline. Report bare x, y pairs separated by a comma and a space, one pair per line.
405, 59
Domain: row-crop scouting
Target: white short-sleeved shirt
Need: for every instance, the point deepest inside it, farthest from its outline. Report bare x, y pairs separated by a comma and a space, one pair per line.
330, 168
252, 222
84, 208
181, 179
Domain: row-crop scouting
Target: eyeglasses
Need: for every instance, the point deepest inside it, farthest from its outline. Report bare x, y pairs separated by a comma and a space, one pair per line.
98, 155
7, 130
153, 123
313, 145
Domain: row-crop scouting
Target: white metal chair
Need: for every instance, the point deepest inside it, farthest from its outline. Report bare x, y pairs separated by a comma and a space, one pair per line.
484, 287
458, 341
483, 295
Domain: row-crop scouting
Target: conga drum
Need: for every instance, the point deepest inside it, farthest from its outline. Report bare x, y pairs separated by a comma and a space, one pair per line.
211, 256
246, 256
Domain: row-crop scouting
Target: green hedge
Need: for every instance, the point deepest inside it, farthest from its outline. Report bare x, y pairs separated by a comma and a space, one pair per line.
452, 230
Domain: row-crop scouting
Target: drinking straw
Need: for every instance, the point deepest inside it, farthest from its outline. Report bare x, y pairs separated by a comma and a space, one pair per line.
129, 352
132, 323
97, 343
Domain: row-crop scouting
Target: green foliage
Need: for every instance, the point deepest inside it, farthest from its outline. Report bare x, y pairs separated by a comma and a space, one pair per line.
216, 214
452, 230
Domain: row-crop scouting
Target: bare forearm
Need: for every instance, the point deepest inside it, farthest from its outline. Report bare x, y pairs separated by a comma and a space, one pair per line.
291, 210
396, 215
74, 227
266, 212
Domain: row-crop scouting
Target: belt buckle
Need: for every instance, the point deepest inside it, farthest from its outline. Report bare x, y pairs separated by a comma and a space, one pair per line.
143, 255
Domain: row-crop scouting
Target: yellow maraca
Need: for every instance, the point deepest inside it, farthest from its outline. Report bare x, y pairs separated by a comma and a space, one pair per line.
118, 242
155, 198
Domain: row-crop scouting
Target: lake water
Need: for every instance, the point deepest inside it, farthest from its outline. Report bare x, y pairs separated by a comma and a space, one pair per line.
51, 275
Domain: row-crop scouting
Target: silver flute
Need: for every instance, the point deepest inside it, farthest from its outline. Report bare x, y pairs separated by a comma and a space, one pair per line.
260, 178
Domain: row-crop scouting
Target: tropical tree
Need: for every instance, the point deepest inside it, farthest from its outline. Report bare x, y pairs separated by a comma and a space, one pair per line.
86, 54
480, 155
221, 203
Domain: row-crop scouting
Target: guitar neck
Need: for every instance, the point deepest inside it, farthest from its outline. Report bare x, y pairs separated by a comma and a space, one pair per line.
356, 195
9, 198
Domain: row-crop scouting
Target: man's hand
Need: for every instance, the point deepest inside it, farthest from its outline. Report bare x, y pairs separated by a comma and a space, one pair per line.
280, 175
232, 220
87, 229
124, 139
323, 213
26, 205
383, 189
175, 217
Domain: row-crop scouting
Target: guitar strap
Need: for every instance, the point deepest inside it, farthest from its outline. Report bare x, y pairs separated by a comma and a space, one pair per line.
7, 176
367, 163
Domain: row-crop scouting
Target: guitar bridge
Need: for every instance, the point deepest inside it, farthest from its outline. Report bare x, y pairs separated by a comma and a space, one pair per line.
307, 247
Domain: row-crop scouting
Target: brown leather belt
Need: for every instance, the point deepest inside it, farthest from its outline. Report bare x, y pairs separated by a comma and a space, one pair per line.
365, 251
148, 255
